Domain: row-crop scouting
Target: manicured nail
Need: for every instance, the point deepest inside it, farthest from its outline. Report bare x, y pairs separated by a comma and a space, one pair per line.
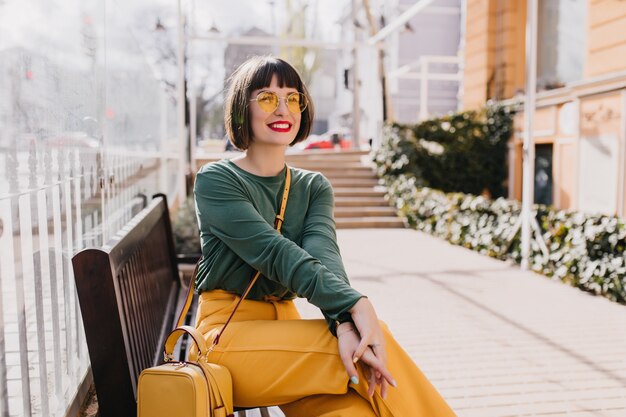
354, 380
355, 359
394, 383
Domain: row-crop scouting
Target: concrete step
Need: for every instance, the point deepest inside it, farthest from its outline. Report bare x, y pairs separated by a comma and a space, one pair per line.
358, 192
360, 202
312, 155
338, 182
359, 199
325, 158
326, 153
331, 165
330, 170
341, 212
349, 176
329, 161
369, 222
346, 172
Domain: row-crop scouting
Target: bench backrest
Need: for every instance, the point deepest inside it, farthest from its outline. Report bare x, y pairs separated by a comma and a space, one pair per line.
127, 292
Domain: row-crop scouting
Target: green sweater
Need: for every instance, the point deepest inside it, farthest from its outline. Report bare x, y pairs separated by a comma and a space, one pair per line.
236, 211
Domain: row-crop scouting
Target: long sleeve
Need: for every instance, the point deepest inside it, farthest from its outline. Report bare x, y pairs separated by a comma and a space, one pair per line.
319, 239
226, 210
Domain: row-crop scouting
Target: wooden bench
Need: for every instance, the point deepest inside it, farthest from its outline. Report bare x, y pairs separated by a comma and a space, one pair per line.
130, 293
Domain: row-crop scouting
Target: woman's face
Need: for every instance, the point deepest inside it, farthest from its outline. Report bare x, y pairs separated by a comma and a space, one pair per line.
279, 127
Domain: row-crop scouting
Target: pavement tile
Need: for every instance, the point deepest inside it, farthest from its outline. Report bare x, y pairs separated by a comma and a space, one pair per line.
495, 340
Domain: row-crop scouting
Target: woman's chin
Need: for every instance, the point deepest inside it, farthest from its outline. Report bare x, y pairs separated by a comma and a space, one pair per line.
282, 140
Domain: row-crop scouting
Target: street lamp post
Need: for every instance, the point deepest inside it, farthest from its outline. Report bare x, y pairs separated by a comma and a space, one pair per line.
529, 146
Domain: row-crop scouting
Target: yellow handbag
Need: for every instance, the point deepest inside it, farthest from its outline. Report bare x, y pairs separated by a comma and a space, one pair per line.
193, 389
185, 389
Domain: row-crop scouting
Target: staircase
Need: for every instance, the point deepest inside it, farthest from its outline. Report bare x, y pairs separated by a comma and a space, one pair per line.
359, 200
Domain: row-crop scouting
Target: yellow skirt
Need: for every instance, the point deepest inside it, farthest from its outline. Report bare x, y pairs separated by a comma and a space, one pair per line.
276, 358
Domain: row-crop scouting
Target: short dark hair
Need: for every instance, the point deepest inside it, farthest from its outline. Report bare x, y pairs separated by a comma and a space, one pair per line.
253, 74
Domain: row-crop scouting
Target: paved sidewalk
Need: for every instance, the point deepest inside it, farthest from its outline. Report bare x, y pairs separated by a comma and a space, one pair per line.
496, 341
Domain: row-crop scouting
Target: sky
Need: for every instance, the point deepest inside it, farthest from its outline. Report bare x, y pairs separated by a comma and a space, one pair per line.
232, 18
57, 29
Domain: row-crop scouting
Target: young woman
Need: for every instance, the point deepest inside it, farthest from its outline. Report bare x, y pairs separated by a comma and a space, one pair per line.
347, 365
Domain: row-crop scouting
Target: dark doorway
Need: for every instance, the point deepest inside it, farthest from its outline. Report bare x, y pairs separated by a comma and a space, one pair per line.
543, 174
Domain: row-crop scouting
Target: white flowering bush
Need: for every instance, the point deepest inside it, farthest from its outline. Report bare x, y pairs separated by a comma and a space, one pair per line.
587, 251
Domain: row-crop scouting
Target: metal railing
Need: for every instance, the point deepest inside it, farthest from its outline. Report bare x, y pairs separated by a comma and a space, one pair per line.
421, 70
46, 215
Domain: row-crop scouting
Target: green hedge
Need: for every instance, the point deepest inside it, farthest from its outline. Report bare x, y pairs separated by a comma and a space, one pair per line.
463, 152
587, 251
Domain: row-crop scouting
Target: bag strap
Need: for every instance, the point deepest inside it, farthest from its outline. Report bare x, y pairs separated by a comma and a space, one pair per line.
173, 337
278, 223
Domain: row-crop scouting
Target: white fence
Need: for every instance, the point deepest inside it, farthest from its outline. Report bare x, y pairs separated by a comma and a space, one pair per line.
87, 135
43, 356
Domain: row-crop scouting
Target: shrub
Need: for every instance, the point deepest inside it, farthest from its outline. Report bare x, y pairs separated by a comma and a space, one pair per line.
464, 152
585, 250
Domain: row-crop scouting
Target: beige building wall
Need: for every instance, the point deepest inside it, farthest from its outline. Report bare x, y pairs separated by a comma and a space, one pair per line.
494, 51
622, 173
495, 46
601, 156
588, 134
510, 49
565, 156
556, 125
584, 122
565, 173
479, 52
606, 31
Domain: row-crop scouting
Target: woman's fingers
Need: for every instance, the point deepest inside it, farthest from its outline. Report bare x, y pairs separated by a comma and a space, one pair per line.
376, 371
368, 326
350, 368
377, 366
360, 350
384, 386
371, 349
347, 343
381, 352
371, 383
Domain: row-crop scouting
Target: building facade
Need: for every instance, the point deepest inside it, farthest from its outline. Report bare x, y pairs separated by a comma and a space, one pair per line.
422, 76
428, 47
580, 118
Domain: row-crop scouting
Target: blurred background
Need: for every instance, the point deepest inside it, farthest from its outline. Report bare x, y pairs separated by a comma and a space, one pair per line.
105, 102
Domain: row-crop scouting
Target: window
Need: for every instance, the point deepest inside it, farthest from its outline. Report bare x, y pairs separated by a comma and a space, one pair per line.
562, 29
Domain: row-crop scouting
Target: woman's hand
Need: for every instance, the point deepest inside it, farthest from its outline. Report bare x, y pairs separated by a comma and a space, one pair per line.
373, 357
348, 340
371, 349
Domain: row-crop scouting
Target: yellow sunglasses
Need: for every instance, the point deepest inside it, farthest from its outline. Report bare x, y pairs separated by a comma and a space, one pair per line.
268, 101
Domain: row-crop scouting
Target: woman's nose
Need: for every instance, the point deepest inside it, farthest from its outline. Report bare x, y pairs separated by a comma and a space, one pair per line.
282, 106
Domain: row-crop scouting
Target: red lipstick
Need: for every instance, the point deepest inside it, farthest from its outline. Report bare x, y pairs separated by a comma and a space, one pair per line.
280, 126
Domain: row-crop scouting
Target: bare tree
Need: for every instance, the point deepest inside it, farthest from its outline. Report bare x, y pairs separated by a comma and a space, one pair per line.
305, 60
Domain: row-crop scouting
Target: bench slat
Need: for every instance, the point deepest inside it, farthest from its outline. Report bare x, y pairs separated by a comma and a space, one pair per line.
128, 292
